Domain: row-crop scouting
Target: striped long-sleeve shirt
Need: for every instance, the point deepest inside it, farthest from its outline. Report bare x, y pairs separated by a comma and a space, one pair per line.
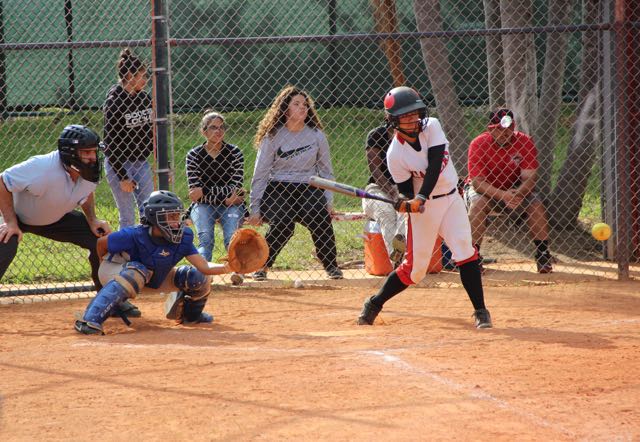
218, 177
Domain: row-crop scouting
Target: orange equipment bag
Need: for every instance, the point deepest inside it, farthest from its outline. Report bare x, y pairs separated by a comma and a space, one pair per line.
376, 258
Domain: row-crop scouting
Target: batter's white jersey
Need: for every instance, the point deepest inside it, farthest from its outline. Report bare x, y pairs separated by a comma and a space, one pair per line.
405, 162
445, 214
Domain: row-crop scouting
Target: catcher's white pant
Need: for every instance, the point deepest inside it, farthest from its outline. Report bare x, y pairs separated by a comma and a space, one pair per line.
445, 217
390, 221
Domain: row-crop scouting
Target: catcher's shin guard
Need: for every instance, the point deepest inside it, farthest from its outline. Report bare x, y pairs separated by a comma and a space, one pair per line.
188, 304
369, 313
127, 284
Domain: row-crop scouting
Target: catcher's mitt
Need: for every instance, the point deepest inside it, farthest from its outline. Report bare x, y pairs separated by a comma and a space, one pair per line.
248, 251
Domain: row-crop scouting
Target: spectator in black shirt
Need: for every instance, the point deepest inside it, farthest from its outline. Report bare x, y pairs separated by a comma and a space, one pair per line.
128, 137
392, 224
215, 172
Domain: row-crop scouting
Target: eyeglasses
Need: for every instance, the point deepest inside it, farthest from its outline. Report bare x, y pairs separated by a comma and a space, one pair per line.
215, 128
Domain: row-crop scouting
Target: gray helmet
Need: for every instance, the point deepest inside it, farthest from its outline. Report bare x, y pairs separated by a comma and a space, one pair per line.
403, 100
76, 137
165, 210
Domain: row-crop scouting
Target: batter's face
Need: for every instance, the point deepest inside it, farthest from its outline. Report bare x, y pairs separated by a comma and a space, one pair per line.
298, 109
409, 123
501, 135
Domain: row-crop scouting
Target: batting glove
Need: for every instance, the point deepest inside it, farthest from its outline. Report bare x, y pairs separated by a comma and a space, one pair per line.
414, 205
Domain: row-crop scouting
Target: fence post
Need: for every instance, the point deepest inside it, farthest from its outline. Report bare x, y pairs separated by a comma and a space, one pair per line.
3, 72
68, 20
159, 43
623, 220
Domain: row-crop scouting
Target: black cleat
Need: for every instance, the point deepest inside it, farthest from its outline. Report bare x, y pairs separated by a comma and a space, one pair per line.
334, 273
260, 275
483, 318
88, 328
544, 263
369, 313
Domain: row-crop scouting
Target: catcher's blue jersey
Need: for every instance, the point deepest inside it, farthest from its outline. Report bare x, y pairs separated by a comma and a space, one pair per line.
159, 255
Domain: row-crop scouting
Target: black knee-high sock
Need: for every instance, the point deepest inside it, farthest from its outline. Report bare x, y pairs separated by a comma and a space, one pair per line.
391, 287
472, 281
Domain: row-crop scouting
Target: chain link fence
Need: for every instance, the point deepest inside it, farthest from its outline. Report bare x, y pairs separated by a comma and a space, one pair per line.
565, 69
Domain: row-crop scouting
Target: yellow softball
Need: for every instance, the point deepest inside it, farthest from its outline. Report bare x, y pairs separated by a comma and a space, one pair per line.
601, 231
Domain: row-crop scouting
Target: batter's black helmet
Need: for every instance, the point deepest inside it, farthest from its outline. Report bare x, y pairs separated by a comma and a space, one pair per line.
74, 138
403, 100
164, 210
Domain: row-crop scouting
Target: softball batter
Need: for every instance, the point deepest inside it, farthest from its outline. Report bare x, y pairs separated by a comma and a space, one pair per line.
420, 164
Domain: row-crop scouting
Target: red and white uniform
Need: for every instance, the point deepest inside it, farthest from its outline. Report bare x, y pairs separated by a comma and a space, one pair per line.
445, 214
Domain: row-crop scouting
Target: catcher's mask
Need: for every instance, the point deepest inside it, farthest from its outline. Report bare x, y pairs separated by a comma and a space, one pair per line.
404, 100
74, 138
164, 210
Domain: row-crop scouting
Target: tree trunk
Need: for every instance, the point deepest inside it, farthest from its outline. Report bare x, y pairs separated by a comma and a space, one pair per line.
495, 64
384, 15
436, 59
520, 64
551, 92
566, 199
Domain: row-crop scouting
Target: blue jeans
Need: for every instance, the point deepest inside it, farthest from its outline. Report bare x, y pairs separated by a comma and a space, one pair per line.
140, 172
204, 218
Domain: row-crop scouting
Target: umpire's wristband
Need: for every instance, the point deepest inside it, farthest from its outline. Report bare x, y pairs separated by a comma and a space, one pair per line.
421, 197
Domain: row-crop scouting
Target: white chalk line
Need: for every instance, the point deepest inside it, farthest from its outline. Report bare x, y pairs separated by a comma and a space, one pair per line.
216, 348
472, 392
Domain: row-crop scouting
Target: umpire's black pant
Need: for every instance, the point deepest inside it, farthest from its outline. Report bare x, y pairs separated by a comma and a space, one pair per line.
72, 227
285, 204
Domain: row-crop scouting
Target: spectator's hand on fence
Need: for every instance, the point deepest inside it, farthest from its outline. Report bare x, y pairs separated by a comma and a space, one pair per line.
254, 220
195, 193
8, 230
128, 185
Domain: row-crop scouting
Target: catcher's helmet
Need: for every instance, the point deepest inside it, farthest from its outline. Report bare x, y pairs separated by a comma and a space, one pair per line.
400, 101
76, 137
164, 210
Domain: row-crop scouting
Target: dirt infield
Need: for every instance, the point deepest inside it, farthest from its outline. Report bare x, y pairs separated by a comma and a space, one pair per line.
562, 363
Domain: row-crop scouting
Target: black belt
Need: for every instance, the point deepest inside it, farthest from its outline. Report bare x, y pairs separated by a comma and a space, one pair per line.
435, 197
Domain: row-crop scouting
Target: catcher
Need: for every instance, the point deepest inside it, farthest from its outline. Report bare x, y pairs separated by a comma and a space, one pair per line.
142, 258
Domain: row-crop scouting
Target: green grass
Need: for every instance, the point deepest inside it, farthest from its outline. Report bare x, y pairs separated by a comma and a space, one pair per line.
346, 128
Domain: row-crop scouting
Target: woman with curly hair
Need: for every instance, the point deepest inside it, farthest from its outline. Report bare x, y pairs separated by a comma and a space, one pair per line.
291, 148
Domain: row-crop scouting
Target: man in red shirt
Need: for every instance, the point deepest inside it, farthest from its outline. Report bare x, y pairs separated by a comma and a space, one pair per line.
503, 168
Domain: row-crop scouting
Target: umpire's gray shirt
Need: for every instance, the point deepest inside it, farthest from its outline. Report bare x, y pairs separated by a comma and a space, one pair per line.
43, 192
292, 157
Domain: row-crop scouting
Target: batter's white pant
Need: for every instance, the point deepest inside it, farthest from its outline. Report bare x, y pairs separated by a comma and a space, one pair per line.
445, 217
390, 221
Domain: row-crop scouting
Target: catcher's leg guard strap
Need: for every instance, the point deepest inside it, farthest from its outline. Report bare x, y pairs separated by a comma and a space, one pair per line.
127, 284
196, 287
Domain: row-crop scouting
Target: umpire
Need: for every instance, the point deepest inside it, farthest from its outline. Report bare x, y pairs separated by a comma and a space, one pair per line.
40, 194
